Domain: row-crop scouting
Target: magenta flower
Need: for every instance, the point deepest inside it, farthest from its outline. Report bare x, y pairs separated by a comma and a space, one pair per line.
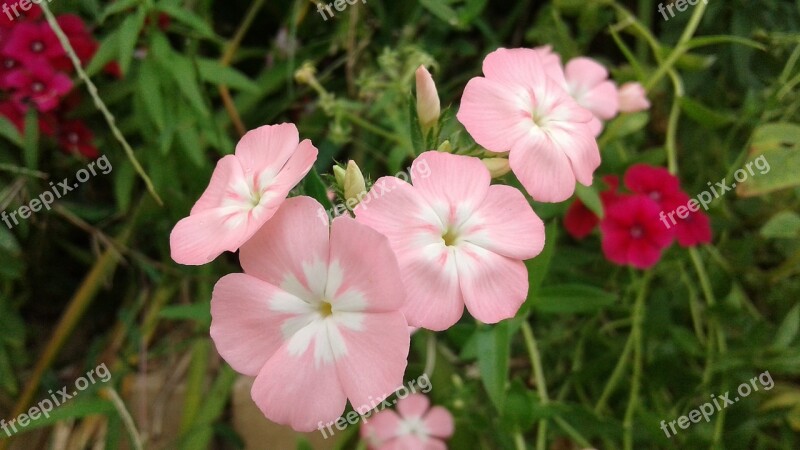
655, 182
417, 426
39, 84
11, 13
245, 191
517, 107
313, 318
588, 83
30, 42
633, 98
632, 232
81, 40
458, 240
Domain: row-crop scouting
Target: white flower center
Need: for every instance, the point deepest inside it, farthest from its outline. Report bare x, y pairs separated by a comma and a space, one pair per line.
413, 427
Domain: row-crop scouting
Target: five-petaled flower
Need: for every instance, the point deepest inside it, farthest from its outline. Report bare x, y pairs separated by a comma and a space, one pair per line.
459, 240
313, 318
414, 426
245, 191
518, 107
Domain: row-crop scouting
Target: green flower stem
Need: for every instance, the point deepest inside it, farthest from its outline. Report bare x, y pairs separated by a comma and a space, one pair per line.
636, 334
76, 62
616, 375
538, 378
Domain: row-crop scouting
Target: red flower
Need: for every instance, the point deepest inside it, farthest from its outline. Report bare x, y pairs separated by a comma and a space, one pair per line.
39, 84
654, 182
7, 65
693, 228
633, 234
74, 137
30, 42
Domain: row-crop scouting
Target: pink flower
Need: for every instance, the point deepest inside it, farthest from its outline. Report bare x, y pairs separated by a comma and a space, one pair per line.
417, 427
13, 115
458, 240
517, 107
39, 84
7, 66
31, 42
245, 191
75, 137
694, 228
588, 83
632, 232
633, 98
314, 317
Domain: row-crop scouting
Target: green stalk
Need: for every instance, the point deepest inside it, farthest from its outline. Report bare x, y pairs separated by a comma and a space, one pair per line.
636, 333
538, 378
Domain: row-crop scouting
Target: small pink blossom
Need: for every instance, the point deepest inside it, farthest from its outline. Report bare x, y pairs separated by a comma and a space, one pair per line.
313, 318
517, 107
458, 239
633, 98
30, 42
245, 191
416, 427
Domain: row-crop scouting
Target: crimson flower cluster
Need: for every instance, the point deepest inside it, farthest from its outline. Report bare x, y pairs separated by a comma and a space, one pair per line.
633, 231
35, 72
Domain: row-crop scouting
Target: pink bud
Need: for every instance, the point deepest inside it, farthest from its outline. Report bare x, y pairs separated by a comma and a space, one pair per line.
633, 98
428, 106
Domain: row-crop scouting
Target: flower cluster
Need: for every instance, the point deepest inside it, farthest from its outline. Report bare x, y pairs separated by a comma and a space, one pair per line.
322, 313
633, 228
35, 73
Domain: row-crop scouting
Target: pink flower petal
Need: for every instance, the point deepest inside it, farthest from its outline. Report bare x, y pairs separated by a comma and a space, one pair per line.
290, 244
244, 324
413, 406
299, 391
226, 175
380, 428
519, 66
200, 238
496, 115
494, 286
376, 277
457, 184
506, 224
376, 358
267, 147
439, 422
544, 170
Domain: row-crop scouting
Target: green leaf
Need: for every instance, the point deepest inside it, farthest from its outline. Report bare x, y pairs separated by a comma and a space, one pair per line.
74, 409
417, 139
107, 52
150, 92
788, 329
591, 198
10, 132
774, 160
518, 414
784, 225
440, 9
539, 266
128, 38
214, 72
182, 71
124, 180
117, 7
494, 348
573, 299
188, 18
315, 188
705, 115
624, 125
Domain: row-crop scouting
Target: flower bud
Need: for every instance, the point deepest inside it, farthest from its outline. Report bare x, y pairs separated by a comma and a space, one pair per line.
428, 106
497, 166
632, 98
339, 173
353, 183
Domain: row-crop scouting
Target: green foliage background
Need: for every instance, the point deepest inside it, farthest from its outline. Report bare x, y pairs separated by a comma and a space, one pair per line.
618, 350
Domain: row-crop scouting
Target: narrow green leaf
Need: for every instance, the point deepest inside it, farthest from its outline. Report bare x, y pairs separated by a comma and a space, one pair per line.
214, 72
128, 39
315, 188
573, 299
494, 348
788, 329
10, 132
